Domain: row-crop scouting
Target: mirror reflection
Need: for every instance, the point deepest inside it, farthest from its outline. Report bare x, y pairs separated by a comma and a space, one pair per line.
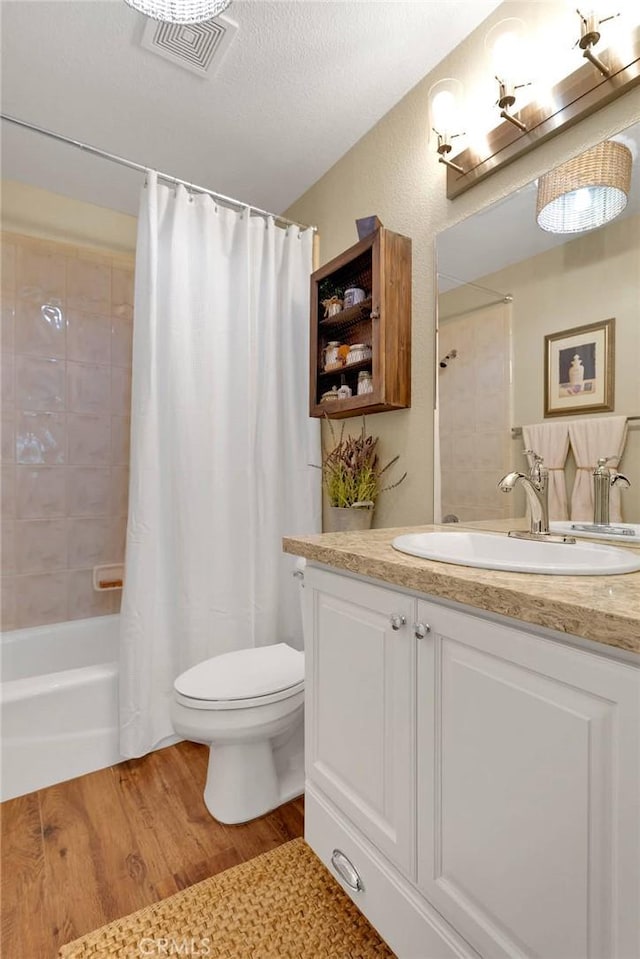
526, 355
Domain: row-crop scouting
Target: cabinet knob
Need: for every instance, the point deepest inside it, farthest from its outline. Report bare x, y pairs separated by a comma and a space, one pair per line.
298, 574
420, 630
397, 621
346, 870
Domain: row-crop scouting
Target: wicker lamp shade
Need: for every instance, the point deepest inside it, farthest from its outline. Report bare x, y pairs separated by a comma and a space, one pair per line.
587, 191
180, 11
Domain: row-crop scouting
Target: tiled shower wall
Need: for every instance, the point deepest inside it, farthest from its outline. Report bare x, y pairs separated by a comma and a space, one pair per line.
67, 317
475, 414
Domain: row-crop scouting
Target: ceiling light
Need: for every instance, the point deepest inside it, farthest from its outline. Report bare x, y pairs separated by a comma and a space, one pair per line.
180, 11
585, 192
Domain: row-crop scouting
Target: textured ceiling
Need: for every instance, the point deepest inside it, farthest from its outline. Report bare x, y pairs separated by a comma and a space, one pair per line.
303, 81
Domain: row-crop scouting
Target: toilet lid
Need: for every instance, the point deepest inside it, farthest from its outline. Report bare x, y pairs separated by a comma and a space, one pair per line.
243, 674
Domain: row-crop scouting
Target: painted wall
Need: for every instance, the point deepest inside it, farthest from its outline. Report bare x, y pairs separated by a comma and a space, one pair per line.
393, 172
31, 211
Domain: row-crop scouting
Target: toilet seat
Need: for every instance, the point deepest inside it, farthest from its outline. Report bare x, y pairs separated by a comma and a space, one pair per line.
244, 678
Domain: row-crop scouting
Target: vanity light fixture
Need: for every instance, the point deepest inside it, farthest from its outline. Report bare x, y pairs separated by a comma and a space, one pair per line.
180, 11
573, 97
506, 45
587, 191
444, 108
589, 37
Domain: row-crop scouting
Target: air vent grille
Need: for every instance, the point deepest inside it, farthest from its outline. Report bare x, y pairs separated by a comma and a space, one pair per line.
197, 47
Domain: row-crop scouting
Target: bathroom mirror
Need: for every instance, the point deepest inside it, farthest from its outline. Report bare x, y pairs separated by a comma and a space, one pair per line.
504, 285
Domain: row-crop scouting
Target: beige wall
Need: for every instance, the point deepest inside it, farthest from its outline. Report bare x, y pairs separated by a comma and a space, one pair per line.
393, 172
30, 211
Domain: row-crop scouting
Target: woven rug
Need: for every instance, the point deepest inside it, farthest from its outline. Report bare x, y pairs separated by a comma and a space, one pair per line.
280, 905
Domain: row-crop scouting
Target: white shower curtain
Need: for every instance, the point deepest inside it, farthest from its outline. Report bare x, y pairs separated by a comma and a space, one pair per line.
221, 445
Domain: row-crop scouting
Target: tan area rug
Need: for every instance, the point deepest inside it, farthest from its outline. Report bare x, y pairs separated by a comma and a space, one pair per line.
280, 905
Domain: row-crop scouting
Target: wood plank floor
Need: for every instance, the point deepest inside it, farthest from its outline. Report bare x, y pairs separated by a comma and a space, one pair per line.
90, 850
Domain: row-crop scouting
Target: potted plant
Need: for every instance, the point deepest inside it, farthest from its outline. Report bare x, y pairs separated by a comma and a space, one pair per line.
352, 477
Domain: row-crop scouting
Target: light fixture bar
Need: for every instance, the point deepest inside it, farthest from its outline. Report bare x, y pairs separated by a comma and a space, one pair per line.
576, 96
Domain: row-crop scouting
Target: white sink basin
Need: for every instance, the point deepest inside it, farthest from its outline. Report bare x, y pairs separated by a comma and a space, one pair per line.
627, 533
499, 551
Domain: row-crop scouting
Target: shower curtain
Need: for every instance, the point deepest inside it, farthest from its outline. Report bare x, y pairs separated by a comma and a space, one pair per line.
221, 445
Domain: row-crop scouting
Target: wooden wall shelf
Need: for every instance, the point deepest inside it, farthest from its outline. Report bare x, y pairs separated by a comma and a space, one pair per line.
381, 266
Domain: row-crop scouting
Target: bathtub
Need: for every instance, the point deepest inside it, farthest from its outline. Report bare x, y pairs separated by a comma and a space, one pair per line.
58, 703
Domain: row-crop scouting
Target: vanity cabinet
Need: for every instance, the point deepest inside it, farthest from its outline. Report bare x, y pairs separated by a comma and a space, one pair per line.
482, 781
360, 703
380, 267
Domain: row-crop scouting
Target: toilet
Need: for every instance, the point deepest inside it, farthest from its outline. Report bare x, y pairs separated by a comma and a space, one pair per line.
247, 706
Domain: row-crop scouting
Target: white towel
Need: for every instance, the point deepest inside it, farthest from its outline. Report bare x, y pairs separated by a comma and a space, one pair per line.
590, 440
551, 441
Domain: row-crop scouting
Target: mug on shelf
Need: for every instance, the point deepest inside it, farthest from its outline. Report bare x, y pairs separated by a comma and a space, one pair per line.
352, 296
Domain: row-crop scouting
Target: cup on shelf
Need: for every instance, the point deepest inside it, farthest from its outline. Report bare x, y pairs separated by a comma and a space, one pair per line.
352, 296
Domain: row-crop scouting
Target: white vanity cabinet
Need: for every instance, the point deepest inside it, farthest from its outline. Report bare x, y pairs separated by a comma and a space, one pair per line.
482, 781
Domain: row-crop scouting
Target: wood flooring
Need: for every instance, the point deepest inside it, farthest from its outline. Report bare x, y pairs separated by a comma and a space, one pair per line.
79, 854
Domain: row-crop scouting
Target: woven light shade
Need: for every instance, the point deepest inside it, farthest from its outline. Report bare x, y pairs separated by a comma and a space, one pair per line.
180, 11
587, 191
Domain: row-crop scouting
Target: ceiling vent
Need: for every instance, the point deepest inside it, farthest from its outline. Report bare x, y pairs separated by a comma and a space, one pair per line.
197, 47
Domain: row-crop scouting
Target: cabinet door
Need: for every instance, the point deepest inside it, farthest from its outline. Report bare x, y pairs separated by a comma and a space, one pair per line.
360, 707
528, 791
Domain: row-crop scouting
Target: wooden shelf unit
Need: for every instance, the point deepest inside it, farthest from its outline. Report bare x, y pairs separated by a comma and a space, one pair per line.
381, 266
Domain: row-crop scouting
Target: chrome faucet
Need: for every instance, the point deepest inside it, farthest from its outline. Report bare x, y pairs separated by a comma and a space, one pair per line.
603, 479
536, 487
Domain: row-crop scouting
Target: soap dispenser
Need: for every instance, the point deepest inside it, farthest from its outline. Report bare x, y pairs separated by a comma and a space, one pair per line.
603, 479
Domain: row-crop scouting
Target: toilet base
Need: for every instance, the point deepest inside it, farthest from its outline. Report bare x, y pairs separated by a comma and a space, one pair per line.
248, 780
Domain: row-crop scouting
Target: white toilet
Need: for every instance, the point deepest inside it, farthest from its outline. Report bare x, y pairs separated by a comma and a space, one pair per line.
247, 706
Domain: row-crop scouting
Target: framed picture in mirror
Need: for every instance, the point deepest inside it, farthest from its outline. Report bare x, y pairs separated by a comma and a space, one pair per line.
579, 369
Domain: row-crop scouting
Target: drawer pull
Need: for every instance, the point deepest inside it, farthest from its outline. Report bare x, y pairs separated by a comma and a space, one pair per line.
346, 870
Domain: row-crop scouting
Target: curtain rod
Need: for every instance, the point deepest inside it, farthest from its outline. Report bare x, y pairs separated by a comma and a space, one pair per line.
122, 161
516, 431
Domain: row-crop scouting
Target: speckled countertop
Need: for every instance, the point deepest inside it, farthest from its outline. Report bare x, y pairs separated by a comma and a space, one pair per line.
605, 609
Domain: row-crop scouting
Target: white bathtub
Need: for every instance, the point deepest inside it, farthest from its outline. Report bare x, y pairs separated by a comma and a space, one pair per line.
59, 702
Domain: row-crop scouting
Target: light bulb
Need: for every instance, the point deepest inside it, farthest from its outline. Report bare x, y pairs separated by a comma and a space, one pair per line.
506, 48
582, 199
506, 54
443, 111
444, 107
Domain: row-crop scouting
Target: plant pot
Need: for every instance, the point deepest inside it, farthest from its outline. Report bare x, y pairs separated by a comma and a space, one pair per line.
339, 519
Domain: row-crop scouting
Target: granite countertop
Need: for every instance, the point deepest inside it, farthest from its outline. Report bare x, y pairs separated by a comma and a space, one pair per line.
605, 609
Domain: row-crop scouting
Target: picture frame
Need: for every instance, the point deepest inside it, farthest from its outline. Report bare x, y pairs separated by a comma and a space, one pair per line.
579, 369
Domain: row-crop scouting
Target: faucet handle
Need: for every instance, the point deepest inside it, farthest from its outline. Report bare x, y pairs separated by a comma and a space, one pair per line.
620, 478
537, 469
